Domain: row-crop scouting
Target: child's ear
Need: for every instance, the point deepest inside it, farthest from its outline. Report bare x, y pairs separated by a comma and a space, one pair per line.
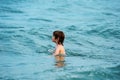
57, 39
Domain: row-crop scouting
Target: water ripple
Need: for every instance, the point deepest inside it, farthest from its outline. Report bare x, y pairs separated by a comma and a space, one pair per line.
8, 9
40, 19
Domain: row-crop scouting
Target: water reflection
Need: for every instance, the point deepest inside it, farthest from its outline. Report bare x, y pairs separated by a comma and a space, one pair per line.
60, 64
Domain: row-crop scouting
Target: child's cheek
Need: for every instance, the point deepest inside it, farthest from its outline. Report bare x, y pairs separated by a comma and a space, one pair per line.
53, 39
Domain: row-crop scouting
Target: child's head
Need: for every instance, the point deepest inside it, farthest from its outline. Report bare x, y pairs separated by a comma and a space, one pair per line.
58, 37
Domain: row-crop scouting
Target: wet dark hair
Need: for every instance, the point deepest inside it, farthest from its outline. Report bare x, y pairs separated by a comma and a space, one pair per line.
60, 36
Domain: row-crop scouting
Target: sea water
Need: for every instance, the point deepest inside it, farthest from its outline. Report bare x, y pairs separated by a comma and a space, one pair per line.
92, 39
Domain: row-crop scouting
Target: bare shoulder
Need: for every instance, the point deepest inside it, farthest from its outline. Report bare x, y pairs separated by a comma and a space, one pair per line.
62, 50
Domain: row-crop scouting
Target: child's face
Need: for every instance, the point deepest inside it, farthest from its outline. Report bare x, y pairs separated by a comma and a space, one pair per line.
53, 39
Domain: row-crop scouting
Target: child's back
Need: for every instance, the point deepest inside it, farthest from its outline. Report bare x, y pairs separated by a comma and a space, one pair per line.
61, 53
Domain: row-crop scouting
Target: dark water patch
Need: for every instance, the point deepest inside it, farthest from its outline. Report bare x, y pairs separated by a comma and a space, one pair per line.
37, 32
117, 10
105, 57
10, 10
106, 45
90, 75
42, 49
109, 47
1, 78
21, 30
109, 14
9, 32
79, 43
92, 32
21, 64
115, 70
92, 25
114, 48
102, 46
111, 33
74, 53
71, 38
7, 78
104, 74
59, 10
30, 42
71, 28
17, 35
106, 32
5, 37
94, 29
46, 36
98, 56
51, 9
36, 73
49, 70
40, 19
90, 42
97, 74
33, 32
26, 41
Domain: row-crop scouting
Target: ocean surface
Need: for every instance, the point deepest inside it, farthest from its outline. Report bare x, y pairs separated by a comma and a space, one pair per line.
92, 43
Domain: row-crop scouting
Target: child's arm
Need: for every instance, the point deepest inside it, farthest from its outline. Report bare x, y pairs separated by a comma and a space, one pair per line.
56, 51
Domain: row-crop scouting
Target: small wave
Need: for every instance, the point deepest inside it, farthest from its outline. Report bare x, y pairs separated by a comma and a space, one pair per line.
5, 37
92, 25
78, 43
8, 9
92, 32
117, 9
21, 64
115, 68
42, 49
106, 32
9, 32
60, 10
40, 19
74, 53
72, 28
89, 42
36, 32
33, 32
45, 36
7, 78
18, 36
9, 27
9, 2
111, 32
109, 14
11, 52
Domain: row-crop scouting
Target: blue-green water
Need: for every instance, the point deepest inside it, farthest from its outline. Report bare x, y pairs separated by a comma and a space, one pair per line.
92, 42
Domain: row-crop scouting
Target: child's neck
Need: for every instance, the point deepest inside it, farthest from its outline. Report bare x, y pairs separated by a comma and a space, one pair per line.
58, 44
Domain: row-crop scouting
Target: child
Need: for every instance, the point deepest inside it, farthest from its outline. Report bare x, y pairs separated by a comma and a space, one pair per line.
58, 38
